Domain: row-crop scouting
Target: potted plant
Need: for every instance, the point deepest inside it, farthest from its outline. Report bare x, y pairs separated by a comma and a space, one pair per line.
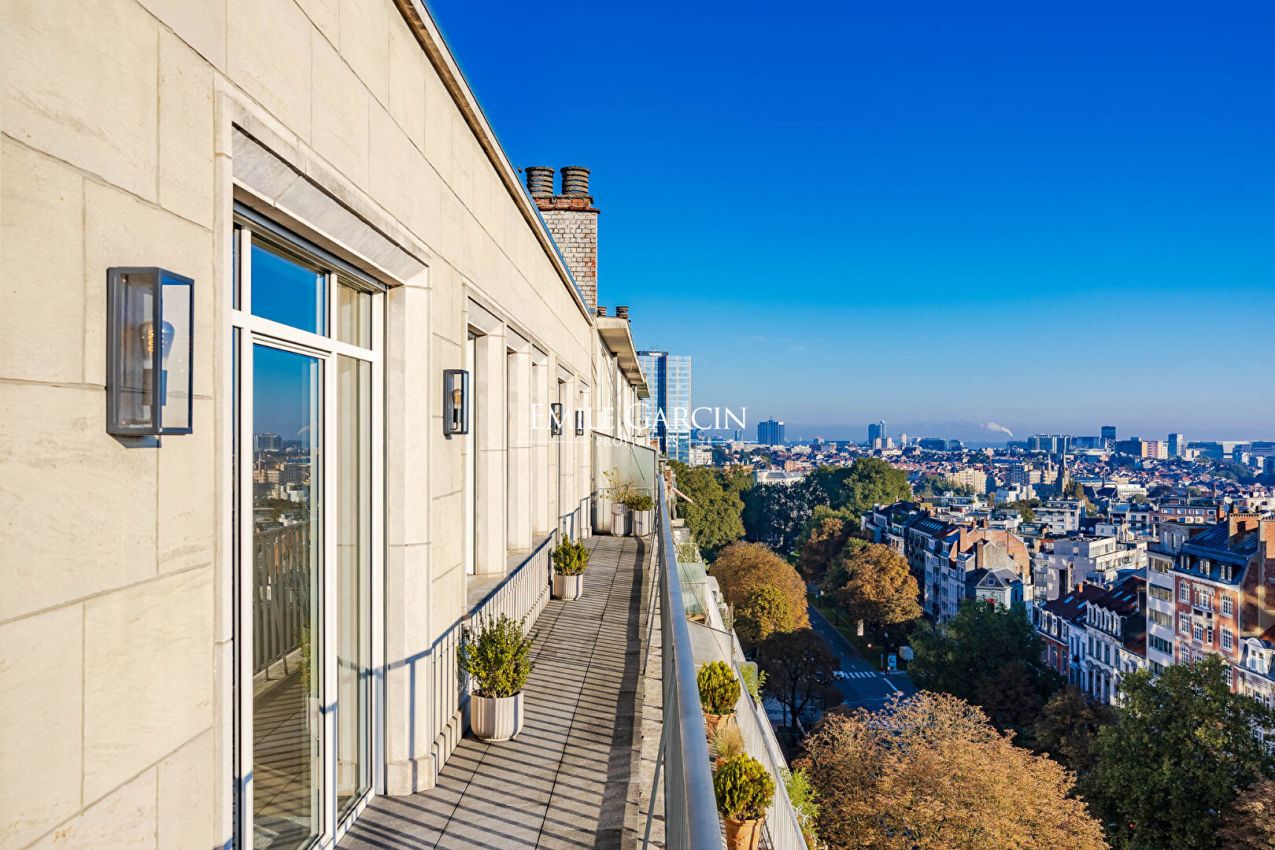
497, 659
569, 563
727, 743
640, 506
718, 692
621, 495
604, 503
744, 790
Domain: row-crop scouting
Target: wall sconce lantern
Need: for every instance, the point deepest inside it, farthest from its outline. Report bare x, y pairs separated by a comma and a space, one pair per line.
579, 423
455, 402
555, 419
150, 344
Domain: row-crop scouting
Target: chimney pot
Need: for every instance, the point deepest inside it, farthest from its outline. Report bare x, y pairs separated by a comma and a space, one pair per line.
602, 311
540, 181
575, 181
621, 312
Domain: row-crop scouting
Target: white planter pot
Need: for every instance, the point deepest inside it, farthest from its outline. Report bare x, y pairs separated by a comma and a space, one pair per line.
620, 517
495, 718
641, 523
568, 587
602, 515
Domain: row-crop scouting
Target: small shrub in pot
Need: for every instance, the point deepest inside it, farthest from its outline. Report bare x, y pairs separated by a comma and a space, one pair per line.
570, 560
640, 506
497, 658
744, 790
718, 692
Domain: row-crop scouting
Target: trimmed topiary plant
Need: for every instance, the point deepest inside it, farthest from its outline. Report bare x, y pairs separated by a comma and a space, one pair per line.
744, 790
718, 692
497, 657
570, 559
718, 688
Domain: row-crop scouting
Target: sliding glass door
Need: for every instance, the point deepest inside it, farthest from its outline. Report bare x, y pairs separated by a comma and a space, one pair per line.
308, 527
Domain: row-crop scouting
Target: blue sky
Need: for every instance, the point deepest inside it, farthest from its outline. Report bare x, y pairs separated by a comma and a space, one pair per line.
1048, 215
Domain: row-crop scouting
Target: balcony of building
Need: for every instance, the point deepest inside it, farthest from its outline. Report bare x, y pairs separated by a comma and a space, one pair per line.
613, 720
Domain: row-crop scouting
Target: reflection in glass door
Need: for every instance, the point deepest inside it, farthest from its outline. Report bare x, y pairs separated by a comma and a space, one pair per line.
287, 547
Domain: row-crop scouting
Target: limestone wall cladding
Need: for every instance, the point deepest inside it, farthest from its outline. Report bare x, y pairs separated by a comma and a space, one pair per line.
115, 624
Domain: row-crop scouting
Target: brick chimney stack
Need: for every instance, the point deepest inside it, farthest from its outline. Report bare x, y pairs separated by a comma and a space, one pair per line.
572, 221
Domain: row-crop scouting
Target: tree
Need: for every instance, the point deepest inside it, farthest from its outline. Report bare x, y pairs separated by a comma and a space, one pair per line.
765, 611
873, 583
1182, 747
822, 545
931, 486
743, 569
776, 514
713, 512
799, 668
858, 487
930, 773
1249, 822
1069, 725
988, 655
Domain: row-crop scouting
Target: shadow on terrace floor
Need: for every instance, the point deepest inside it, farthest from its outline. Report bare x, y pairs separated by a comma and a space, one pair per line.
565, 781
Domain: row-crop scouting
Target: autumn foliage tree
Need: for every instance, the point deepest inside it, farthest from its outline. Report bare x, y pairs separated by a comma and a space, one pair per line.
764, 612
930, 773
822, 544
1249, 822
873, 583
762, 588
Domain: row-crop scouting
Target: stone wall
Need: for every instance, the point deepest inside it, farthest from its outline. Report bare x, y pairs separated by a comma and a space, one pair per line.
117, 147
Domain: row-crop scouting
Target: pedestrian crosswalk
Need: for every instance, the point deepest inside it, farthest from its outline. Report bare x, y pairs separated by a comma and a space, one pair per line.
856, 674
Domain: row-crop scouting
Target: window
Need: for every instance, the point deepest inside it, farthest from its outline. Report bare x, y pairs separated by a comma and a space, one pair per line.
1184, 592
1184, 624
1228, 607
1228, 639
1198, 632
1208, 635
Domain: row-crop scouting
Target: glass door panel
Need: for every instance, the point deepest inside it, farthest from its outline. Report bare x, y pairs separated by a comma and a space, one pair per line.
287, 574
354, 578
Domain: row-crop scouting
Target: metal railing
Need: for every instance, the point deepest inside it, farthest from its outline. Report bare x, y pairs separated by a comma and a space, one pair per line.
282, 573
690, 808
525, 591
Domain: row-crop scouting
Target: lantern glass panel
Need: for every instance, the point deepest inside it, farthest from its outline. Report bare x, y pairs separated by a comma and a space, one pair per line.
131, 356
175, 341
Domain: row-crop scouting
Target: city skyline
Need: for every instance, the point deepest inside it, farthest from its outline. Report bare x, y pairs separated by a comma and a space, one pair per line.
1083, 200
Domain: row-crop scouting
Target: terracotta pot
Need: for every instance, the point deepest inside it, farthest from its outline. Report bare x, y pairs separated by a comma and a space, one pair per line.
568, 587
743, 834
712, 721
495, 718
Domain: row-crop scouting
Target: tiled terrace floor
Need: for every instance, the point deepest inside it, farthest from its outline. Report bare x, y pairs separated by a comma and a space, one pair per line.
565, 782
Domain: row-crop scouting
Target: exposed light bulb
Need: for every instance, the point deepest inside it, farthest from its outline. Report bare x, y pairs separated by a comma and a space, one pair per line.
146, 332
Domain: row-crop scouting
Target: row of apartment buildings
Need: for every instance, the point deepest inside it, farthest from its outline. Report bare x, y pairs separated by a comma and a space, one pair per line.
1207, 590
402, 389
1106, 605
